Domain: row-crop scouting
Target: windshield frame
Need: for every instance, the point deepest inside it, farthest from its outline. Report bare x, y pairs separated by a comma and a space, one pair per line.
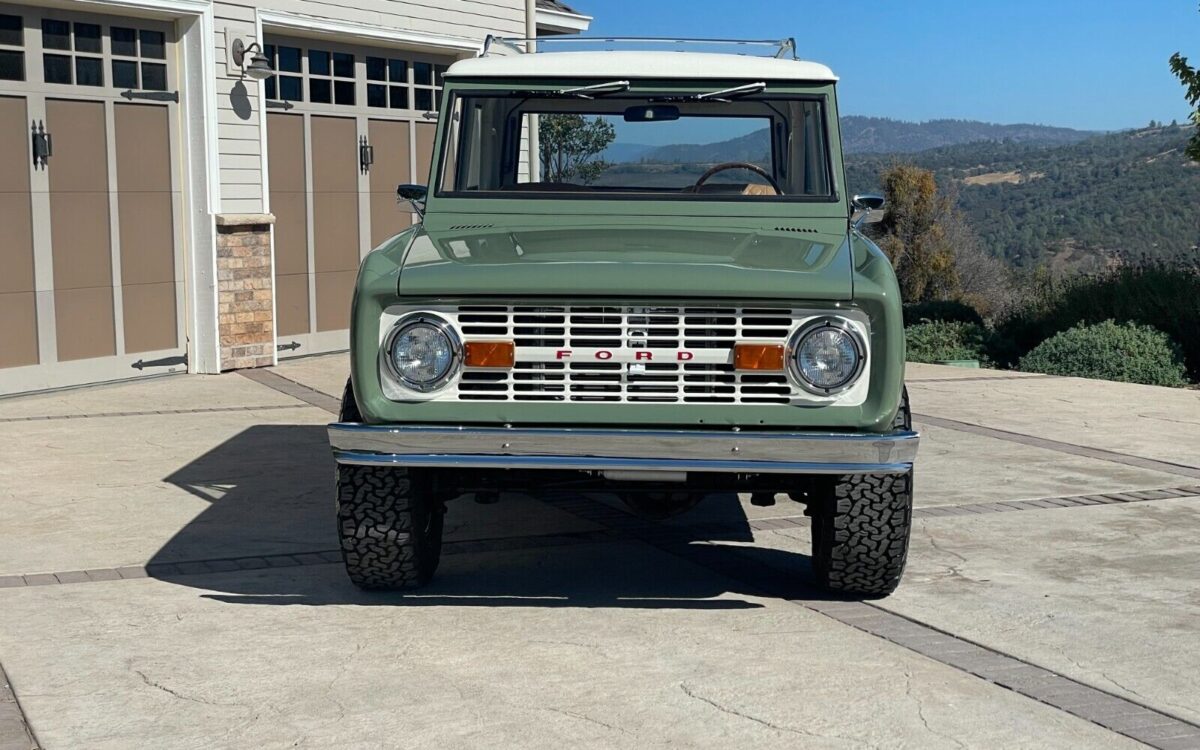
527, 97
830, 205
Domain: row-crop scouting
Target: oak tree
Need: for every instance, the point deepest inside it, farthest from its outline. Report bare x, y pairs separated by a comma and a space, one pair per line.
570, 145
914, 235
1190, 78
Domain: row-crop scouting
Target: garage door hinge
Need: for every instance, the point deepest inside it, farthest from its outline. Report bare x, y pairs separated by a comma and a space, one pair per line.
279, 105
154, 96
287, 347
142, 364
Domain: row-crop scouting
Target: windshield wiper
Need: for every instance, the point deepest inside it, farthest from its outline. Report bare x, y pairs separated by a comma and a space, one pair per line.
724, 95
584, 92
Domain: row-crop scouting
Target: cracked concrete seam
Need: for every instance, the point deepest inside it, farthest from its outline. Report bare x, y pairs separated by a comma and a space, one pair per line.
175, 693
691, 693
908, 692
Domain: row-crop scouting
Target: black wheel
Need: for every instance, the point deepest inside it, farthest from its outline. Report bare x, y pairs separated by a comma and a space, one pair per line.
389, 522
860, 527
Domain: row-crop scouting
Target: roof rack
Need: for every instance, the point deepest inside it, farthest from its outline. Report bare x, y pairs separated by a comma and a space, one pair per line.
784, 48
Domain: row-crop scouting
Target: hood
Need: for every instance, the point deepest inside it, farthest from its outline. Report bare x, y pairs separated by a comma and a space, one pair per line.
800, 262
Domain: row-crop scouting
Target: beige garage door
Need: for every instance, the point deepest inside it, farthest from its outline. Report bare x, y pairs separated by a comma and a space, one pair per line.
345, 125
90, 273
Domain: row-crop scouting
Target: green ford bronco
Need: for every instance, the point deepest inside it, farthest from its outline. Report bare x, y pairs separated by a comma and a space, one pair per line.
635, 273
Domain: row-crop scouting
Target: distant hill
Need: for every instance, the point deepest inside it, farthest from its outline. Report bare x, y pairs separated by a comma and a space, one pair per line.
880, 135
859, 135
1035, 195
624, 152
1131, 195
752, 147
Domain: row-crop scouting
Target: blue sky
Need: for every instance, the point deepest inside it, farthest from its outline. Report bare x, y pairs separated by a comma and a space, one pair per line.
1099, 65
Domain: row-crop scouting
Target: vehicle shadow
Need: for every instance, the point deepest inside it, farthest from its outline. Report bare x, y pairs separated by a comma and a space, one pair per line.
270, 495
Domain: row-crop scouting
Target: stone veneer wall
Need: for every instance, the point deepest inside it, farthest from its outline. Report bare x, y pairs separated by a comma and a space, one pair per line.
245, 290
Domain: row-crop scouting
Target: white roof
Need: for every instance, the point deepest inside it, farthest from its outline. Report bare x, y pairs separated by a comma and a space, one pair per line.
627, 64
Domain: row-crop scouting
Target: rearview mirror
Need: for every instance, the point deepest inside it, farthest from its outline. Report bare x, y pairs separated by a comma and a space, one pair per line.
414, 195
652, 113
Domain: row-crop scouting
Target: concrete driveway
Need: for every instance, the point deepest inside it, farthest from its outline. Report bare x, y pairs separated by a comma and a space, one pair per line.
169, 579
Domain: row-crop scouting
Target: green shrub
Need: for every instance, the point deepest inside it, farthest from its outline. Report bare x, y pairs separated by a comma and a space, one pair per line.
951, 310
1108, 351
937, 340
1166, 298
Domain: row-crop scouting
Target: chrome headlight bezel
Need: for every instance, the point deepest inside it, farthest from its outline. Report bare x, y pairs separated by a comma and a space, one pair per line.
814, 326
430, 320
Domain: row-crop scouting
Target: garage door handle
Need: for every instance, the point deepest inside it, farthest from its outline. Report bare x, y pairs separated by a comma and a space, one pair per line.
366, 154
42, 144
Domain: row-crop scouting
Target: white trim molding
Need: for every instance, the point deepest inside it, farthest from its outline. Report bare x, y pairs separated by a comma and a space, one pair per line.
270, 20
559, 22
164, 9
198, 99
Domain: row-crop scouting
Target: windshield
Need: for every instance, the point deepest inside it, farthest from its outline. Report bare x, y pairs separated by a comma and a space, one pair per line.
738, 145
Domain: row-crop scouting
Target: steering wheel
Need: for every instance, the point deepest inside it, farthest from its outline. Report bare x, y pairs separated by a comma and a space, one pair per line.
736, 165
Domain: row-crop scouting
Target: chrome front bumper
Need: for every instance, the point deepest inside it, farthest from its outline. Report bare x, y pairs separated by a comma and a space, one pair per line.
588, 449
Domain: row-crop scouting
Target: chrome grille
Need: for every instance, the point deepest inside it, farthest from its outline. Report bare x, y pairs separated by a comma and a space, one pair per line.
714, 329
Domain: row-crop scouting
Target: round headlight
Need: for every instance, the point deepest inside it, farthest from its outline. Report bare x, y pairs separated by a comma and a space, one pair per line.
828, 357
423, 353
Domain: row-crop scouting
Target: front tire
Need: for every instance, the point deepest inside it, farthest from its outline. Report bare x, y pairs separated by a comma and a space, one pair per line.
861, 524
860, 534
389, 522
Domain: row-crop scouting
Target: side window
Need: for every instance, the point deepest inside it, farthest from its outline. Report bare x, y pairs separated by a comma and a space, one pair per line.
480, 154
807, 164
462, 167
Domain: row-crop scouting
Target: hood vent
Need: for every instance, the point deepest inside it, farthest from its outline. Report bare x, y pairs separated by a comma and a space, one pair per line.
803, 230
472, 226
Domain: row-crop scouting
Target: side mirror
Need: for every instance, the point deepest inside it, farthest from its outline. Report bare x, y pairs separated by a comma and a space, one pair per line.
414, 195
868, 202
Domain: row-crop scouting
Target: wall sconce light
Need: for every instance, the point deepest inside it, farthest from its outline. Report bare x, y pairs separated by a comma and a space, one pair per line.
259, 67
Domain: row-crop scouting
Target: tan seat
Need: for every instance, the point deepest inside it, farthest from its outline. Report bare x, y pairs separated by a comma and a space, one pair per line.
756, 189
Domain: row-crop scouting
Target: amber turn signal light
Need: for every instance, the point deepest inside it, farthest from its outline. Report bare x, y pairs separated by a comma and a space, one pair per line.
758, 357
489, 354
